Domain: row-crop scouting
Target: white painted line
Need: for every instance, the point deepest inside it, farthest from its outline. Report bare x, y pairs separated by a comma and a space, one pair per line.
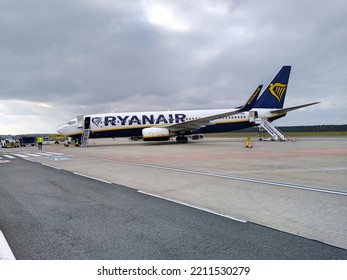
5, 250
195, 207
90, 177
22, 156
8, 156
44, 154
52, 153
293, 170
252, 180
33, 155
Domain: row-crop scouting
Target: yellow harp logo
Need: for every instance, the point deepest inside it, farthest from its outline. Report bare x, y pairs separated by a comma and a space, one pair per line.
277, 90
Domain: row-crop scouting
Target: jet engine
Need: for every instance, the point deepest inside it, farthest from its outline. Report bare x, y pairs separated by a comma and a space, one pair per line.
156, 134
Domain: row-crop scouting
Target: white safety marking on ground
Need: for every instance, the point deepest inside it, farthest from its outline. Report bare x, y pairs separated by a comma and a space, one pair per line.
22, 156
293, 170
195, 207
44, 154
90, 177
53, 153
266, 182
8, 156
33, 155
5, 250
252, 180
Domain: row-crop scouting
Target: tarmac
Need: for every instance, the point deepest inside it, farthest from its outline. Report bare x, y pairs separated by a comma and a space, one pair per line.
295, 187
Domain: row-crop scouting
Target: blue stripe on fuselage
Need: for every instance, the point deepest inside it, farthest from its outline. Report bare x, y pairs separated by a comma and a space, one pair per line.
137, 131
222, 127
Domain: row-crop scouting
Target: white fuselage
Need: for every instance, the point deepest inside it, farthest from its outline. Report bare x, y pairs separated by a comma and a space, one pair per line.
131, 123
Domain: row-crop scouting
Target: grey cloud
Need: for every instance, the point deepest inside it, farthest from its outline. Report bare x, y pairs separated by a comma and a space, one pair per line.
91, 56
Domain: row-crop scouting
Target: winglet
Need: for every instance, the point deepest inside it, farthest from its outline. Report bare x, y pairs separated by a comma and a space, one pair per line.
251, 101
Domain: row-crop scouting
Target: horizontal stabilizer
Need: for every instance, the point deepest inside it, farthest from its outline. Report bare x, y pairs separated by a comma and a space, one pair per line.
285, 110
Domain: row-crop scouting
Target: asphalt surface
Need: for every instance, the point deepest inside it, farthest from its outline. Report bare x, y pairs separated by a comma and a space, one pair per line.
54, 214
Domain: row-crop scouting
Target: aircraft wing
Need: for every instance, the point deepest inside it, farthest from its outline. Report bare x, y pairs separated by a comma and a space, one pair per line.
202, 122
285, 110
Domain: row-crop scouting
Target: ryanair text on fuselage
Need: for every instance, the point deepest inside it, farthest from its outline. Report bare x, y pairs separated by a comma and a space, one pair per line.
140, 119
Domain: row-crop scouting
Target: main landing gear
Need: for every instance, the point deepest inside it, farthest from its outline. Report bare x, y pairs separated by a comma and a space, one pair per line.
181, 139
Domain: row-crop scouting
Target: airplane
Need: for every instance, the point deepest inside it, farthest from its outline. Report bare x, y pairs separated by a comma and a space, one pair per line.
164, 125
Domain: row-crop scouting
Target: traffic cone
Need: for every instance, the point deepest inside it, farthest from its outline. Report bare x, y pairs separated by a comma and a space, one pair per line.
248, 143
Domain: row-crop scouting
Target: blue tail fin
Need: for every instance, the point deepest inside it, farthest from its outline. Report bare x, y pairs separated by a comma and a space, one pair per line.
275, 93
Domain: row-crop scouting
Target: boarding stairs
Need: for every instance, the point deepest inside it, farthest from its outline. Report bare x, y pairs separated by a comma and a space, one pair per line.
276, 134
85, 137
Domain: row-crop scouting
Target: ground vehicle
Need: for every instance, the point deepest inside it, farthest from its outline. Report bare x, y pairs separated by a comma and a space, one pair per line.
27, 141
50, 140
10, 143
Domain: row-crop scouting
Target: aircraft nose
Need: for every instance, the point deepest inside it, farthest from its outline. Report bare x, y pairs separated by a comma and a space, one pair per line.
62, 130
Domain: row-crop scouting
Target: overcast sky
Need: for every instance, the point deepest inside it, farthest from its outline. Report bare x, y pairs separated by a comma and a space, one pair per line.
60, 59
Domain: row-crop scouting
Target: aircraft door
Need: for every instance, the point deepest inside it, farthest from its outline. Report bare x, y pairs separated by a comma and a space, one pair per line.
87, 123
252, 116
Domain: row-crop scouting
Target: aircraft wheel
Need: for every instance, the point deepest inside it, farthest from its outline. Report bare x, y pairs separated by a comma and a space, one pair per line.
182, 139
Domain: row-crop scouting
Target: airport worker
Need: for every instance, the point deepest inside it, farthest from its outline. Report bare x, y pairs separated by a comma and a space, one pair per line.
77, 144
39, 142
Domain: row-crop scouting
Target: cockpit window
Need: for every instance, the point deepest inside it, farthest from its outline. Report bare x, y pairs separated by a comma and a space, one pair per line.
71, 122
